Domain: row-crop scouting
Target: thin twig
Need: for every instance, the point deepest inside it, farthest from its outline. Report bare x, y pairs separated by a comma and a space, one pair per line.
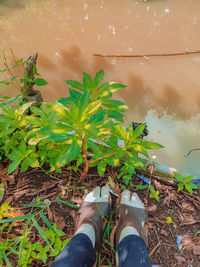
194, 149
152, 55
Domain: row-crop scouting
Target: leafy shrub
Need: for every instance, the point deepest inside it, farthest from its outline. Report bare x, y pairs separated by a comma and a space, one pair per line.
185, 182
20, 246
84, 127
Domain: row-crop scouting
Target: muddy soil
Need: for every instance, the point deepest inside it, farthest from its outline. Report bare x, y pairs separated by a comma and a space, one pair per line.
182, 208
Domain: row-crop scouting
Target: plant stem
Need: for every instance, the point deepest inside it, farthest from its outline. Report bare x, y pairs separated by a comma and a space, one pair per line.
87, 163
106, 156
85, 171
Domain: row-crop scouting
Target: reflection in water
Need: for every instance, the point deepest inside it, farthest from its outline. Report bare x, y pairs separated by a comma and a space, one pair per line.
67, 33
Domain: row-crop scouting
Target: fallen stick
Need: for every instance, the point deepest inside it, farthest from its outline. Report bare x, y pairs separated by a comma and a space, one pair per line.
194, 149
151, 55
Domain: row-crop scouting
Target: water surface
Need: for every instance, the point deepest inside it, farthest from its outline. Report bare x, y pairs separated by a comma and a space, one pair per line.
164, 91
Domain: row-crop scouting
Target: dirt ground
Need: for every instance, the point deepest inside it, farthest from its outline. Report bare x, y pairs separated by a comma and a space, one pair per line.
182, 208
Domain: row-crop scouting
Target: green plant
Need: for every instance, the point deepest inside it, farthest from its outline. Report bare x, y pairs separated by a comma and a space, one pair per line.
21, 247
1, 191
5, 209
154, 193
83, 128
24, 80
185, 182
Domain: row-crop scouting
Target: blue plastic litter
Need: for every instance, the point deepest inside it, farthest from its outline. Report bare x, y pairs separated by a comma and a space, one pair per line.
179, 239
143, 178
196, 181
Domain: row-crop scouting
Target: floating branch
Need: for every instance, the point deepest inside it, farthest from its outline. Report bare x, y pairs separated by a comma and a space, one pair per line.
194, 149
151, 55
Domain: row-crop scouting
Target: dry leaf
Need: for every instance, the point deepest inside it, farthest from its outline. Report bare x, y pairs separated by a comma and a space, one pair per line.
180, 259
20, 193
60, 221
169, 197
163, 232
15, 213
152, 208
188, 219
187, 206
196, 250
186, 240
150, 225
50, 214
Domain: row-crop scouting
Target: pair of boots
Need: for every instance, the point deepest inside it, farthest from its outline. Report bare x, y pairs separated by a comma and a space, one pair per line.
130, 231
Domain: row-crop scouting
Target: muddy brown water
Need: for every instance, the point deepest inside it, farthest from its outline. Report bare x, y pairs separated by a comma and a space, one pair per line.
163, 91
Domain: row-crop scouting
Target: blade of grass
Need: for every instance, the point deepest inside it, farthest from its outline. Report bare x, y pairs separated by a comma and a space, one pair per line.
15, 219
109, 262
41, 232
7, 261
22, 240
107, 242
48, 223
67, 203
99, 260
42, 205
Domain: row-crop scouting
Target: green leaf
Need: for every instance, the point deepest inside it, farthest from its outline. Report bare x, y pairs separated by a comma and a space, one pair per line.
115, 87
180, 187
13, 166
188, 188
14, 78
16, 219
40, 231
151, 145
67, 203
40, 82
8, 110
75, 148
139, 130
87, 82
115, 115
119, 132
194, 186
35, 110
75, 95
93, 107
98, 78
12, 100
187, 179
84, 101
48, 223
178, 177
154, 193
35, 70
140, 149
101, 168
115, 104
30, 161
65, 100
58, 137
141, 186
23, 108
76, 85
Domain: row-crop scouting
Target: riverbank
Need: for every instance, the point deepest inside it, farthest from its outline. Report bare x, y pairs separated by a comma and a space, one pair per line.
182, 208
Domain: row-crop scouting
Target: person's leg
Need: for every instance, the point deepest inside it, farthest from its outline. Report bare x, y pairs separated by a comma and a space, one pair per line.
82, 248
131, 232
77, 253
